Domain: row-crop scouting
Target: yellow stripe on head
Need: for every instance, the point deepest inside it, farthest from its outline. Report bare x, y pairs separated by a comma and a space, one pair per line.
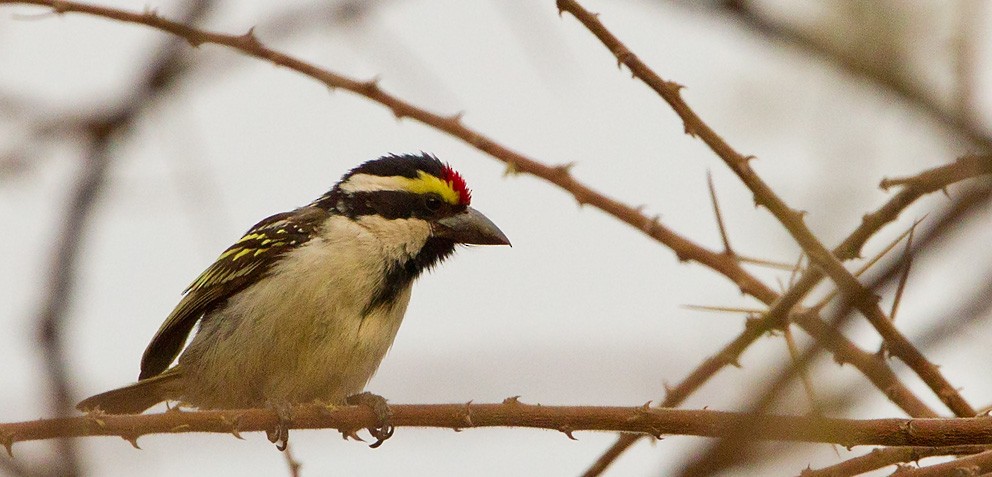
424, 183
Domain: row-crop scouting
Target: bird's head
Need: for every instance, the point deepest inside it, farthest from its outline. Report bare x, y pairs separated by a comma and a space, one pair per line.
414, 189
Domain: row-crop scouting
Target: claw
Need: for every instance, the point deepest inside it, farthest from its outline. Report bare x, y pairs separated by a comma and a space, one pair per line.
280, 435
382, 430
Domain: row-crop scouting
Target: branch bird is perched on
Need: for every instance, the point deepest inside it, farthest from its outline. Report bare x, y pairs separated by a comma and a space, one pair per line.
304, 307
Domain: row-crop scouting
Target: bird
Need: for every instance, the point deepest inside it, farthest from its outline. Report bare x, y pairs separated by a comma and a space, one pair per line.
304, 307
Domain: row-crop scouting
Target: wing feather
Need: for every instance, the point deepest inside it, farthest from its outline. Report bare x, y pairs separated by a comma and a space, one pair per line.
239, 266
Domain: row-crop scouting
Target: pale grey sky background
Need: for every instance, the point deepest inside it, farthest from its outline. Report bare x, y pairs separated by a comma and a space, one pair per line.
582, 310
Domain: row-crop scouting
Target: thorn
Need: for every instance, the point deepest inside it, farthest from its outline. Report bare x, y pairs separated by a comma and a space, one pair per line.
351, 434
565, 168
689, 130
7, 440
732, 360
457, 117
234, 424
568, 432
512, 400
371, 86
249, 40
579, 199
59, 7
194, 40
946, 193
646, 407
468, 414
727, 249
798, 215
133, 440
511, 169
623, 55
649, 226
656, 433
397, 114
561, 8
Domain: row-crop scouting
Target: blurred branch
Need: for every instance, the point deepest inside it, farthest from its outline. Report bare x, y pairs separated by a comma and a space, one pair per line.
879, 458
512, 413
952, 117
100, 130
965, 59
974, 465
966, 313
60, 284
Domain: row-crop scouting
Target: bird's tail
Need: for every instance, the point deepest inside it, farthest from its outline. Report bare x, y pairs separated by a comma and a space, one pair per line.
136, 398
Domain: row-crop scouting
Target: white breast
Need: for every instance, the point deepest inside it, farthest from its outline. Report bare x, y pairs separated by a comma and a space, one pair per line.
302, 333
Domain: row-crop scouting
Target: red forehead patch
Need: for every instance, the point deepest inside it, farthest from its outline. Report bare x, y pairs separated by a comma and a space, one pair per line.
453, 178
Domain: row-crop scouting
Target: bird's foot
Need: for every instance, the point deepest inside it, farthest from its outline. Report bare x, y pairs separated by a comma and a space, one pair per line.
383, 429
280, 435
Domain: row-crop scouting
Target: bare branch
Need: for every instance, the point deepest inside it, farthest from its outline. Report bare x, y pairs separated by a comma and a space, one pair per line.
727, 249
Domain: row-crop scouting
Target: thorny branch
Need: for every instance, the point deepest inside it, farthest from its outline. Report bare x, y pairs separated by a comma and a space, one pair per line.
728, 451
683, 247
791, 219
512, 413
854, 62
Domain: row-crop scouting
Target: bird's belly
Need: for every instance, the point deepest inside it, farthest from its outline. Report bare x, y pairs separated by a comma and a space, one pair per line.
307, 342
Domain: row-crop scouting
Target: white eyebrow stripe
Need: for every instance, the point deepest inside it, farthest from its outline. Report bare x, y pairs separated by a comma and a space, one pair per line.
372, 183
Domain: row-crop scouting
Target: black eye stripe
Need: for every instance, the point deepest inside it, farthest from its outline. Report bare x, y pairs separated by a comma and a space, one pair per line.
390, 204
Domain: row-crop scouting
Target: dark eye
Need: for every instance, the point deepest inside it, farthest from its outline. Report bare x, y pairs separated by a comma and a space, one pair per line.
433, 203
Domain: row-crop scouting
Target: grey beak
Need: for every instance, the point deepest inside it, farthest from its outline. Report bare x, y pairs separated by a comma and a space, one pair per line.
470, 227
